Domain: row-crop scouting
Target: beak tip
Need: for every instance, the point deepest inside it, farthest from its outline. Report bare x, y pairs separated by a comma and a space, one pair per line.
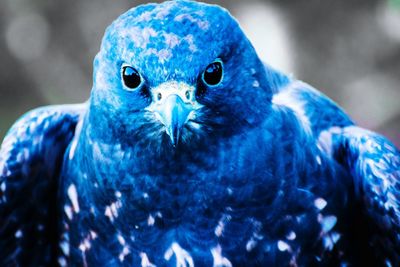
174, 114
173, 136
173, 142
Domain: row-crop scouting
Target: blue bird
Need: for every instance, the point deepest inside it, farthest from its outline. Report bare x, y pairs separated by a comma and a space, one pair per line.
192, 152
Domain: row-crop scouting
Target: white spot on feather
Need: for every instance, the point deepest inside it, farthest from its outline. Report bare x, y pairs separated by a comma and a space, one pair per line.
194, 125
93, 234
145, 260
125, 248
85, 244
219, 229
221, 225
183, 258
327, 222
171, 40
68, 211
335, 237
318, 159
147, 33
330, 240
163, 54
287, 98
125, 251
121, 239
388, 263
62, 261
325, 139
251, 244
73, 196
111, 210
291, 236
72, 149
145, 16
230, 191
18, 234
219, 260
202, 24
190, 40
162, 14
283, 246
64, 245
109, 214
139, 36
150, 220
320, 203
3, 186
74, 142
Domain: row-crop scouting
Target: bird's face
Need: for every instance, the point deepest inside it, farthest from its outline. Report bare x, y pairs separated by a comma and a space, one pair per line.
176, 74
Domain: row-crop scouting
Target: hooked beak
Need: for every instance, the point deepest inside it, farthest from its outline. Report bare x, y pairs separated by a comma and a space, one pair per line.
172, 105
174, 114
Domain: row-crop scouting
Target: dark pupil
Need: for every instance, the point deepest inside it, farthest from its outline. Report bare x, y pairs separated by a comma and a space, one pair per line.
131, 77
213, 73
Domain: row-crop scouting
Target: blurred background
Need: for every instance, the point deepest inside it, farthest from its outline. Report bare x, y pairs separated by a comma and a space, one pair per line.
348, 49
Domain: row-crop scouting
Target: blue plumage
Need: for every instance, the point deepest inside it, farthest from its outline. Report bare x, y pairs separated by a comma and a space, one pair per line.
192, 152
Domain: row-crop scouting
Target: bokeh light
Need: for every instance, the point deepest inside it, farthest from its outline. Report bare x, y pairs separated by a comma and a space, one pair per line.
27, 36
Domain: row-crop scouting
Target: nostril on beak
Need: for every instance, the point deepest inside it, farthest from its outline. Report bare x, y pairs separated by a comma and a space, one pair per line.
159, 96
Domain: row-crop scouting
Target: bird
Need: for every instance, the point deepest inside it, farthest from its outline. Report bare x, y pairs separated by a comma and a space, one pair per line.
191, 151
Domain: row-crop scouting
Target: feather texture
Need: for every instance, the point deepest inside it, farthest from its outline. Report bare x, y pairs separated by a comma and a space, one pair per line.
267, 171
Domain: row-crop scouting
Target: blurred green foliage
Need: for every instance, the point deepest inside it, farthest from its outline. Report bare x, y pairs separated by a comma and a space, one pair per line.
394, 3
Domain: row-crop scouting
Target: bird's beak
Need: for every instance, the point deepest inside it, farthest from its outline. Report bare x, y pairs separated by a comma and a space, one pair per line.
173, 104
174, 114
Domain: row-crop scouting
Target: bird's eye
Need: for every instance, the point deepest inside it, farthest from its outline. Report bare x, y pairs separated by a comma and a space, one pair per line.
131, 77
213, 73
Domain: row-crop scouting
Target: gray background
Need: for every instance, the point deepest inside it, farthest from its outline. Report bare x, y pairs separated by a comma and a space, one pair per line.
348, 49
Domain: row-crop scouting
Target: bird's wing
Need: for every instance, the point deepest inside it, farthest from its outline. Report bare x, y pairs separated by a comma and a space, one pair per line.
374, 163
314, 110
277, 81
30, 160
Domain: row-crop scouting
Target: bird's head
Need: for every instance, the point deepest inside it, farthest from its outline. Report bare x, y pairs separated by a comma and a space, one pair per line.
175, 74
